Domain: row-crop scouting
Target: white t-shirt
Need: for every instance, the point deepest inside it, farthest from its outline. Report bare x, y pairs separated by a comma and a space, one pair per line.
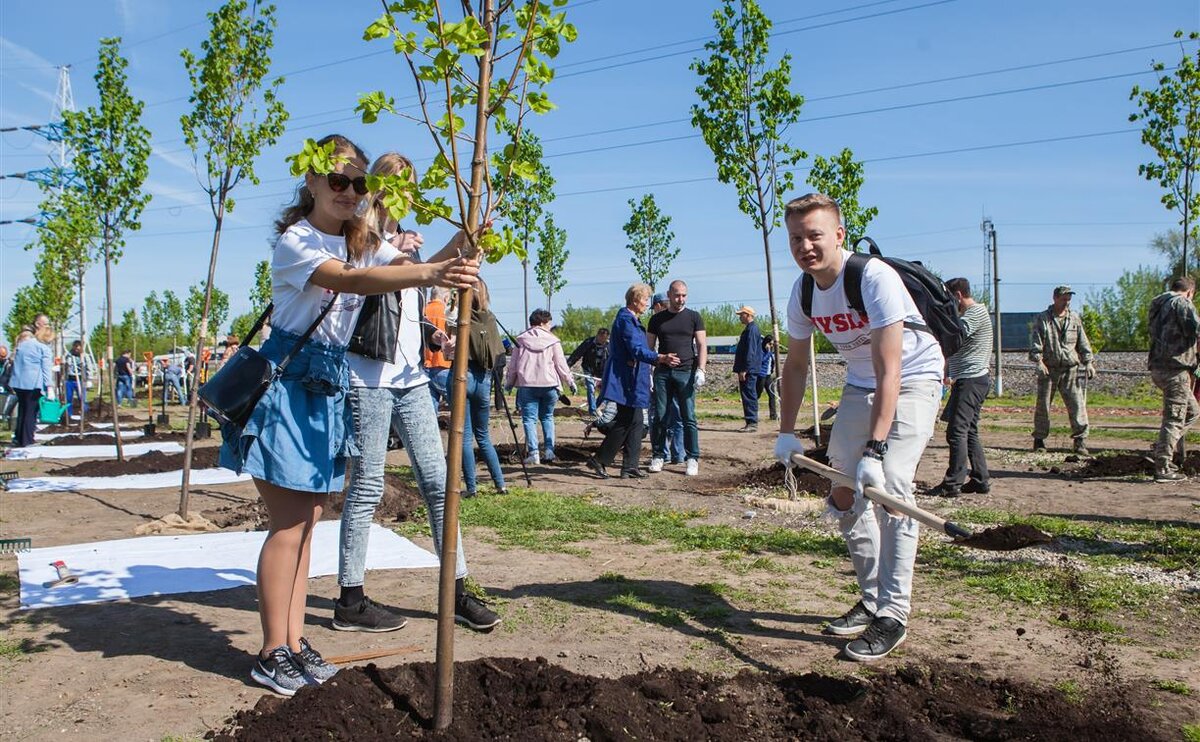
886, 302
405, 371
298, 252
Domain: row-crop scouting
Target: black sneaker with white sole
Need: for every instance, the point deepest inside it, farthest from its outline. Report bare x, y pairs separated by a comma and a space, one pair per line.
366, 615
851, 622
471, 611
281, 672
313, 663
881, 637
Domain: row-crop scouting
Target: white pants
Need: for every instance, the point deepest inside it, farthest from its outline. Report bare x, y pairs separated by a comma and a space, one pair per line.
882, 546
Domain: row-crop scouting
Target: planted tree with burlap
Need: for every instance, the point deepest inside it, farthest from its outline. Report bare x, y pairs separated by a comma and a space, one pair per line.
482, 69
841, 178
527, 197
1170, 118
650, 240
746, 106
111, 151
235, 114
552, 257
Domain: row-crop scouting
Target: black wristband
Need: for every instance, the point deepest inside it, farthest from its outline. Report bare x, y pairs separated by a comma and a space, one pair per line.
869, 454
879, 448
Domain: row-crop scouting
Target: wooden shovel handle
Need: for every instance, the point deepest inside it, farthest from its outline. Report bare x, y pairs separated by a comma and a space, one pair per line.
877, 495
362, 656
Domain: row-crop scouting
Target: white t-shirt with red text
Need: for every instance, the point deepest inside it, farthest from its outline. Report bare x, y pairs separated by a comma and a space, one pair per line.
886, 302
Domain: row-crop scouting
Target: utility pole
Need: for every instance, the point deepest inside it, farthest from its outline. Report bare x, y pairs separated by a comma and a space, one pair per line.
989, 246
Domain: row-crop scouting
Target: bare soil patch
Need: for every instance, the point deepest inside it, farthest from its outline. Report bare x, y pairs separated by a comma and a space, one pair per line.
100, 439
154, 462
532, 700
1129, 464
400, 502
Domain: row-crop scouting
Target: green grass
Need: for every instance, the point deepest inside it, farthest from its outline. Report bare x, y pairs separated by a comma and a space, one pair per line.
1178, 687
11, 649
1122, 434
1071, 690
10, 584
541, 521
1164, 545
1144, 396
1191, 732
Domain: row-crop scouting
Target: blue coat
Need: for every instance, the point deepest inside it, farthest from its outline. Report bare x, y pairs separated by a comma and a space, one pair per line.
748, 357
630, 360
33, 366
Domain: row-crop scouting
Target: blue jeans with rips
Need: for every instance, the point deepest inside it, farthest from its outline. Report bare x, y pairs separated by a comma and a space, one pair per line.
374, 411
478, 418
537, 405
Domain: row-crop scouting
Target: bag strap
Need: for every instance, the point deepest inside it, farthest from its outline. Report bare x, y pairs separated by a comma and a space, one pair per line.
307, 334
258, 323
856, 265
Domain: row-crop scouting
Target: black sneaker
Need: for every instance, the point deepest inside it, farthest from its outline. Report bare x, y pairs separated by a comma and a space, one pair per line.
366, 615
945, 490
881, 637
1039, 445
597, 467
851, 622
634, 474
471, 611
313, 663
976, 487
281, 672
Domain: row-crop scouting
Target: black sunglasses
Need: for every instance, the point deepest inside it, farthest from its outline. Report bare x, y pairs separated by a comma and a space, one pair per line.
339, 182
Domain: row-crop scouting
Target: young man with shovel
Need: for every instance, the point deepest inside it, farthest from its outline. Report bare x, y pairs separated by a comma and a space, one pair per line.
889, 403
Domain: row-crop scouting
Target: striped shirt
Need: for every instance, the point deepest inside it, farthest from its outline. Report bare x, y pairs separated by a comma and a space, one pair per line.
974, 357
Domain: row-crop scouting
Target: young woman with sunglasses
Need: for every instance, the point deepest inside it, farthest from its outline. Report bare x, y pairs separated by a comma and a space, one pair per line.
297, 439
389, 391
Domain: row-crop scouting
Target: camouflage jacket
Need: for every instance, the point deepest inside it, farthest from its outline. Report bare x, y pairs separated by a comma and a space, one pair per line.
1174, 325
1060, 343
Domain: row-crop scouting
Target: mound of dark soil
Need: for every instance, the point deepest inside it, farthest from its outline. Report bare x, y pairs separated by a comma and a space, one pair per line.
100, 439
400, 501
563, 453
532, 701
101, 410
771, 475
1129, 464
570, 412
1006, 538
154, 462
826, 431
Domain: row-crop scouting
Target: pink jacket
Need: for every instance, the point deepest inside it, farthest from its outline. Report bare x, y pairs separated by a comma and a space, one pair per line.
538, 361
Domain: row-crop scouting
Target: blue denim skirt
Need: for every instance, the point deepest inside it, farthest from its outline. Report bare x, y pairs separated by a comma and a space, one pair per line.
299, 434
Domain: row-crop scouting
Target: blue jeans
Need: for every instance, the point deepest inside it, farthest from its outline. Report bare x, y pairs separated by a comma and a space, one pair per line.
675, 392
749, 392
175, 385
590, 383
75, 387
537, 404
439, 386
373, 412
124, 388
479, 405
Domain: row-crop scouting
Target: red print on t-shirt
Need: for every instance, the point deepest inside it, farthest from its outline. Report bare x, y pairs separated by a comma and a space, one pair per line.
841, 322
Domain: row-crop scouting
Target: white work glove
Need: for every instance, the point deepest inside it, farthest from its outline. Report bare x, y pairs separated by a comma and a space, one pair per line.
787, 444
51, 393
868, 474
700, 378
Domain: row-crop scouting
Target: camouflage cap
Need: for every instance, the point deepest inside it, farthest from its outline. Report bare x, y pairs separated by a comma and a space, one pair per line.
1060, 290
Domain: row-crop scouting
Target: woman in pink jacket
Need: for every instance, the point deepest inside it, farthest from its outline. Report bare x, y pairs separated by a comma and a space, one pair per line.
538, 369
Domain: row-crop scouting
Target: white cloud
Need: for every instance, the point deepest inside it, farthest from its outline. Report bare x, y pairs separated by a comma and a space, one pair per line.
181, 160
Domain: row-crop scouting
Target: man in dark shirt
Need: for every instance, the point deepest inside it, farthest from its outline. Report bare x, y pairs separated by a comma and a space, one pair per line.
678, 331
124, 364
747, 364
593, 352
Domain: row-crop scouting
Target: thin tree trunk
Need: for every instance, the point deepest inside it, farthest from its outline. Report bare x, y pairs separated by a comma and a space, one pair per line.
444, 690
108, 345
64, 354
190, 434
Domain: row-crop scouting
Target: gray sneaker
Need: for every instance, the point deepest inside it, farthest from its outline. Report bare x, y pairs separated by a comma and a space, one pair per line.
881, 637
313, 663
281, 672
472, 612
366, 615
851, 622
1163, 476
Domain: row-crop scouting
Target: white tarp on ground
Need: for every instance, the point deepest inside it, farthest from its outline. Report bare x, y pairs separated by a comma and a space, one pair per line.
164, 565
125, 435
90, 452
125, 481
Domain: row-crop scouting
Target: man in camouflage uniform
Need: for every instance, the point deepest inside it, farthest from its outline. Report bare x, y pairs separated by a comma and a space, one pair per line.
1174, 326
1063, 355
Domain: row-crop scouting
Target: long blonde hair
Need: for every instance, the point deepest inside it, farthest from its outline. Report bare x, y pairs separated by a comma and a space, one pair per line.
45, 334
377, 217
354, 229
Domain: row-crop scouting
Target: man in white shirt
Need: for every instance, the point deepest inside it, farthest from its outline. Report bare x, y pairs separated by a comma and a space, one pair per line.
893, 387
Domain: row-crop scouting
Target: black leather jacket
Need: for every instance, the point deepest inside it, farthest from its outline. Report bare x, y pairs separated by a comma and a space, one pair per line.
378, 327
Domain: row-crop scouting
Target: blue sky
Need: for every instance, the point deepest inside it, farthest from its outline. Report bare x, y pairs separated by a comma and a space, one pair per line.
1068, 211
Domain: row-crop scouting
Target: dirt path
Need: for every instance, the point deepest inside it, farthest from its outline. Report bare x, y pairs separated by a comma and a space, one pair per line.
178, 665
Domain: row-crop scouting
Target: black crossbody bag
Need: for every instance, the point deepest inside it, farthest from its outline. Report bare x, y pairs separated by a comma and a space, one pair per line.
233, 392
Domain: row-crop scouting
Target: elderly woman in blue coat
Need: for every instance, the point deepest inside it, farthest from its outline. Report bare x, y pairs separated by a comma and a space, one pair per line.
627, 383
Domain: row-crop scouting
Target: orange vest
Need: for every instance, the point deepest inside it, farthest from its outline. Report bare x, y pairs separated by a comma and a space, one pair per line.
435, 312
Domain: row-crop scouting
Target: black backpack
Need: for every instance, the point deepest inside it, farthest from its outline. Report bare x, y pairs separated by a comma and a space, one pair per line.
934, 301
